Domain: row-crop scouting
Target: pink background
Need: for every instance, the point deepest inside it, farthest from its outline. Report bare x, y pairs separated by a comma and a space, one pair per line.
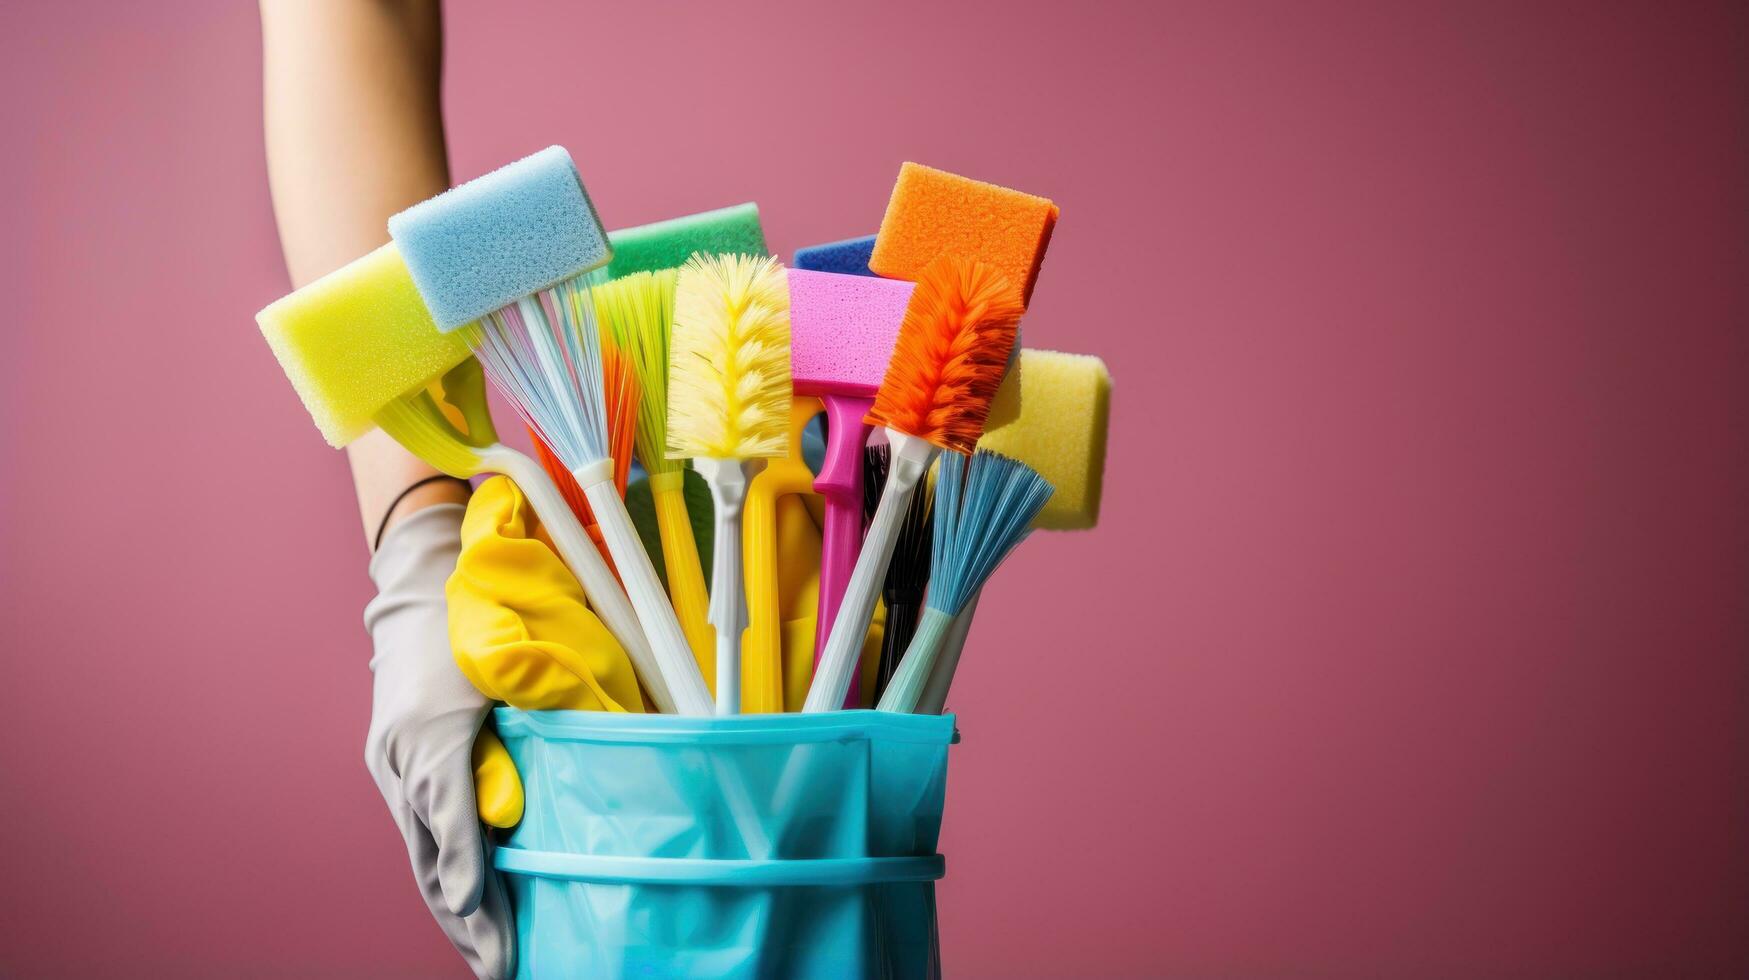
1415, 639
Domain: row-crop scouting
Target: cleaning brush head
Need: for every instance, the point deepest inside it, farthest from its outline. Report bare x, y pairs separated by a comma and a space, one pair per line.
952, 350
485, 244
875, 460
637, 311
544, 353
729, 364
733, 230
355, 340
984, 506
1065, 410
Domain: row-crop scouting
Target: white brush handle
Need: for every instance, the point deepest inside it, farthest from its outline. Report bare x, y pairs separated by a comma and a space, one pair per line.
579, 552
910, 459
934, 698
673, 657
728, 480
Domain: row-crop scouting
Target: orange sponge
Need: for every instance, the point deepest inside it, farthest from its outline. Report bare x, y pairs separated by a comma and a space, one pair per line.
934, 213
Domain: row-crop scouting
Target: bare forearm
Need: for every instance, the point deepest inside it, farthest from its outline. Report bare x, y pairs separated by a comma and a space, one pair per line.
354, 133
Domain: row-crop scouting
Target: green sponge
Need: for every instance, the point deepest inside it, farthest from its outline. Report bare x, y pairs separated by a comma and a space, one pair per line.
667, 244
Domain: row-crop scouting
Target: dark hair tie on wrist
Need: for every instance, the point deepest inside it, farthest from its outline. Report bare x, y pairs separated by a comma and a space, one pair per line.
384, 526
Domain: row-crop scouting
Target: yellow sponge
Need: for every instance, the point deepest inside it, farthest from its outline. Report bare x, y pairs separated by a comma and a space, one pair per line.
1065, 403
934, 213
357, 339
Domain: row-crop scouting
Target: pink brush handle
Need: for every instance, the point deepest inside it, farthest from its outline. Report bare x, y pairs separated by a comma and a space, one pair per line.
840, 482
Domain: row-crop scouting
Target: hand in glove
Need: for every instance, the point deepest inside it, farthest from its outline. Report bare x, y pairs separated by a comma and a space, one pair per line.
425, 717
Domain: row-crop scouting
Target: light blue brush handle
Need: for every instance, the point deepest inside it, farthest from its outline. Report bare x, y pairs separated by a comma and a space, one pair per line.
906, 688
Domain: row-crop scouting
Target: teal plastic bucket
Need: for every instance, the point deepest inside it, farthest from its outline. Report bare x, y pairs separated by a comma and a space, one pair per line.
750, 846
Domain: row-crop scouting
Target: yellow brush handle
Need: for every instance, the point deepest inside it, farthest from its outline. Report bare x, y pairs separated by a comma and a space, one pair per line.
762, 680
685, 574
798, 593
762, 647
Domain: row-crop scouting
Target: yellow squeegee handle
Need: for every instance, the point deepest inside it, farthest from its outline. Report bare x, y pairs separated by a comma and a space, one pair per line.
762, 649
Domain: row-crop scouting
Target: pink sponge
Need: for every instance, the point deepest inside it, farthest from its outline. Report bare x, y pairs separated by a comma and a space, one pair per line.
842, 330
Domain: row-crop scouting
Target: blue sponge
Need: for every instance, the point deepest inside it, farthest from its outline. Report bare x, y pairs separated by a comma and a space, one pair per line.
848, 257
495, 239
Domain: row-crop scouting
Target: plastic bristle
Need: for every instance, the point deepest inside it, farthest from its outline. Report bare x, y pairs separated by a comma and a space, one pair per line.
638, 313
544, 354
622, 409
984, 506
875, 461
952, 351
421, 427
908, 572
562, 477
729, 362
622, 405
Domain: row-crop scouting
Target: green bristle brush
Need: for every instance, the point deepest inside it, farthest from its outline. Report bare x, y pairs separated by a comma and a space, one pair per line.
638, 312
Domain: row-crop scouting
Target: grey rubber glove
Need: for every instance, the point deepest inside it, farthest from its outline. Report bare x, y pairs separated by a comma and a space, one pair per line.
424, 716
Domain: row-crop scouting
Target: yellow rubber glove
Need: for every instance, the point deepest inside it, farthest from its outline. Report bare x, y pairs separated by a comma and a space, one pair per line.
497, 787
522, 634
518, 622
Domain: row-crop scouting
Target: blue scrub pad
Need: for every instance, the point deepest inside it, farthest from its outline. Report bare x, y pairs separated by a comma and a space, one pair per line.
495, 239
848, 257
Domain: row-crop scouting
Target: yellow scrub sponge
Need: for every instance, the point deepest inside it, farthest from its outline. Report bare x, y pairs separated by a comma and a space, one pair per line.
934, 213
1065, 403
357, 339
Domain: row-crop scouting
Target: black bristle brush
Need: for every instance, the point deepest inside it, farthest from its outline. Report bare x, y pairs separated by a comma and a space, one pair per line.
908, 574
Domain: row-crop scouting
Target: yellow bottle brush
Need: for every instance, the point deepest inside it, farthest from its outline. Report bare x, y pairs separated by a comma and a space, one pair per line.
729, 409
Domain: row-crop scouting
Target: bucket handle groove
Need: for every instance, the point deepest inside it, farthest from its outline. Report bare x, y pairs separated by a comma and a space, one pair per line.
712, 873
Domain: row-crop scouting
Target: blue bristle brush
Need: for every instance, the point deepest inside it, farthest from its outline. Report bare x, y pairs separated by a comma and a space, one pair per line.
503, 258
983, 508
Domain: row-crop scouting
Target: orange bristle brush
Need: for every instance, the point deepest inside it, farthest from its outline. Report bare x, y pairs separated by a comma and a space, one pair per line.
953, 348
621, 393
